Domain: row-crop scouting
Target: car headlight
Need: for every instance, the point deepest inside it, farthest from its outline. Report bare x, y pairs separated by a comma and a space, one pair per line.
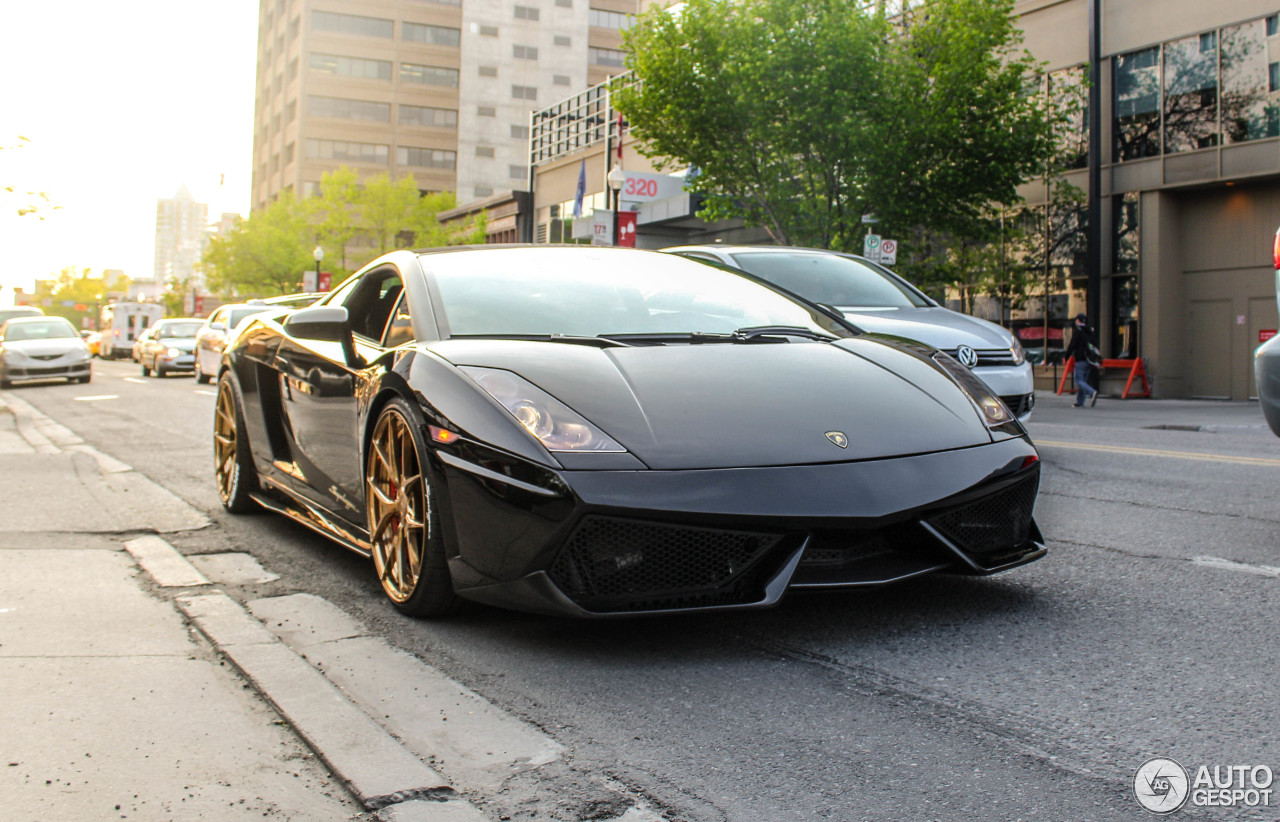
174, 353
993, 410
557, 426
1019, 353
11, 357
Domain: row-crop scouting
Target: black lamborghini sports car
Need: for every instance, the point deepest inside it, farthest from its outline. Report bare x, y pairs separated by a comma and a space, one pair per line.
602, 431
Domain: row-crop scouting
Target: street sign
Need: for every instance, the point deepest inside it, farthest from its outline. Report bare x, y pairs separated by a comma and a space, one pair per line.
888, 252
647, 187
627, 228
1266, 334
602, 230
867, 219
871, 247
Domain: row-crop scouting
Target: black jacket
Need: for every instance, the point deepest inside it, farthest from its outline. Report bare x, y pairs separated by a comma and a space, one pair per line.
1081, 339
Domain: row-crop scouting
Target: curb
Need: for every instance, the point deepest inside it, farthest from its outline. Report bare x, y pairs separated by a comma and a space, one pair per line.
378, 771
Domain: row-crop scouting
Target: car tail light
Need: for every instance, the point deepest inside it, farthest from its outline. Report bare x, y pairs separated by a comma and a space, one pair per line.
1275, 250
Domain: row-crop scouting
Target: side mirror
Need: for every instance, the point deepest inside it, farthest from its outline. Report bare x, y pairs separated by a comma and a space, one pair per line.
324, 323
218, 326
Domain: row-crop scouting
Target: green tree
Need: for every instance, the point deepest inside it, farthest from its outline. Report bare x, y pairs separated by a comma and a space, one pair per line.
263, 255
333, 214
75, 294
803, 115
37, 203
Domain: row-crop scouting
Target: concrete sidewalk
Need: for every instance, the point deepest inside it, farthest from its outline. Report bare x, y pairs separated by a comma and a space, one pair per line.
113, 705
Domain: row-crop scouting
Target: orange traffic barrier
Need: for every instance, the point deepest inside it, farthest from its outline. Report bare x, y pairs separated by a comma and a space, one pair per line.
1136, 367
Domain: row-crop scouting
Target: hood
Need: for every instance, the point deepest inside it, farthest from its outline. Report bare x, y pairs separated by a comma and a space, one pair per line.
45, 348
936, 326
742, 405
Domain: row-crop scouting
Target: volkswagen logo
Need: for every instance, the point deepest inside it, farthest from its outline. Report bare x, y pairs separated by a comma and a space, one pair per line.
838, 438
967, 356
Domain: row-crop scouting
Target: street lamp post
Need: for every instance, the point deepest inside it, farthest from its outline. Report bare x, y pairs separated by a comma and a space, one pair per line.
616, 178
318, 253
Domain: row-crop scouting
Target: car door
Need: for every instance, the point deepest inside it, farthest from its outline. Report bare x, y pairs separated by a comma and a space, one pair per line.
319, 389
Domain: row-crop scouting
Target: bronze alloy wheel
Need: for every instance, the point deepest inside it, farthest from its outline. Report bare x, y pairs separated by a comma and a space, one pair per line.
397, 505
232, 465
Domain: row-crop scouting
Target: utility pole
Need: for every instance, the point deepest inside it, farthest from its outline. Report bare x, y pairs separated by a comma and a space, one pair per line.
1093, 235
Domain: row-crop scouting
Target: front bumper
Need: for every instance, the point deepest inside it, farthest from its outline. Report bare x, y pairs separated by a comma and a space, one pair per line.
187, 362
1012, 383
626, 542
30, 371
1266, 371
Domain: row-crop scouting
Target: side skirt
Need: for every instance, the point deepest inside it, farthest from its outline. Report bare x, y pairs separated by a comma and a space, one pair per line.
304, 513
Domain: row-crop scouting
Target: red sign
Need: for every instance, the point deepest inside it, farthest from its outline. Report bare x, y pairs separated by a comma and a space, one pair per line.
197, 304
627, 228
326, 280
1036, 332
1266, 334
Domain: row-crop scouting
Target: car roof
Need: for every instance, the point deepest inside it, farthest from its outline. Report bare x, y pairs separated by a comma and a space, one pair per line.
37, 319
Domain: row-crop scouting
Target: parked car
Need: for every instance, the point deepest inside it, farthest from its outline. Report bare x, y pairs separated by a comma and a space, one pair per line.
12, 312
606, 431
877, 300
135, 352
169, 346
212, 336
42, 348
92, 341
1266, 362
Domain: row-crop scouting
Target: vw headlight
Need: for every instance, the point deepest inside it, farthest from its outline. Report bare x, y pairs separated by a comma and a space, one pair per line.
557, 426
1019, 353
993, 410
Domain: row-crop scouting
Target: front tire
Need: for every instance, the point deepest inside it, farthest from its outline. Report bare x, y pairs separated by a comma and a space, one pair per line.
146, 372
404, 528
201, 377
232, 462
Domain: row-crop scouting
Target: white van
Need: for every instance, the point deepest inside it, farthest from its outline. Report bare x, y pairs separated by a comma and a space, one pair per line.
120, 325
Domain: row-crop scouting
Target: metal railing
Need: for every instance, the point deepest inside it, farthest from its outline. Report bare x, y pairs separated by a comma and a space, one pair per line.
576, 122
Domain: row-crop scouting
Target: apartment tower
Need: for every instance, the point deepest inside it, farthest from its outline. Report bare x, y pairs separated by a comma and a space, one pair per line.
437, 89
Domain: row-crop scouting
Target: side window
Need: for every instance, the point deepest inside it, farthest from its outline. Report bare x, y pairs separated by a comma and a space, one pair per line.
219, 316
371, 301
400, 329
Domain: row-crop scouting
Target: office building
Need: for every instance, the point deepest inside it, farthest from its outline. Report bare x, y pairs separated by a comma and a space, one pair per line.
437, 89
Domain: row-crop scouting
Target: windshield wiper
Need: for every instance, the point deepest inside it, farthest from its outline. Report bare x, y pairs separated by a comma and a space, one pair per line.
754, 332
574, 339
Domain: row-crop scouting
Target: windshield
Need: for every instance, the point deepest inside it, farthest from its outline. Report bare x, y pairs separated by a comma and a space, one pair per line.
238, 314
177, 330
830, 279
51, 330
601, 292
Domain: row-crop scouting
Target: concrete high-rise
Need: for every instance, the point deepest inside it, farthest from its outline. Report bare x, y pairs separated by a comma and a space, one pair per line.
180, 236
437, 89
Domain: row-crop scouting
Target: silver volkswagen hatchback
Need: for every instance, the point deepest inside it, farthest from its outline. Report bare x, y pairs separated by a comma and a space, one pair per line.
877, 300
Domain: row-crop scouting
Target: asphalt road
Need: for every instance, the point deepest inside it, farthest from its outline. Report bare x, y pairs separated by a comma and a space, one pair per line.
1148, 630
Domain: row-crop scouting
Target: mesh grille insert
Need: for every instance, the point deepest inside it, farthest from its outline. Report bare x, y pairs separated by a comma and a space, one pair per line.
995, 524
621, 564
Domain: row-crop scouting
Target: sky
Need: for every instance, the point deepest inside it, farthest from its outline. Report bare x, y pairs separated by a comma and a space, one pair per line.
122, 103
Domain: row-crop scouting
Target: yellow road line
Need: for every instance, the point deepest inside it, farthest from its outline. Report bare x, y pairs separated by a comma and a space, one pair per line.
1154, 452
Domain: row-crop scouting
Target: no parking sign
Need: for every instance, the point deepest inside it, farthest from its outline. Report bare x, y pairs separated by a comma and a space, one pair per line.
888, 252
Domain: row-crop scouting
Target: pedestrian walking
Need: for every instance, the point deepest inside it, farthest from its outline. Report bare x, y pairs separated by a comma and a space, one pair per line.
1085, 352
